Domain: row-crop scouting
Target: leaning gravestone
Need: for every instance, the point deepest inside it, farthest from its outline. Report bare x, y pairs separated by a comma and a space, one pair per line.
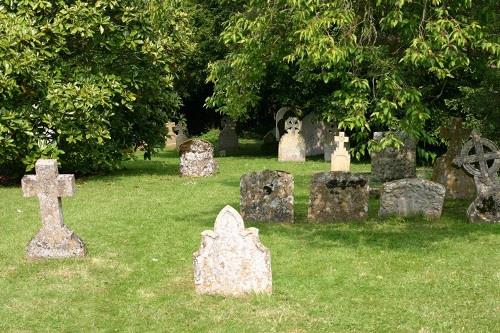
481, 158
55, 239
314, 132
231, 260
458, 184
228, 139
181, 136
170, 141
391, 163
341, 160
197, 158
292, 146
337, 196
411, 197
267, 196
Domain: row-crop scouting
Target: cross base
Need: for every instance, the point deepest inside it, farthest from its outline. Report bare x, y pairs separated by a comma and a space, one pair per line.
486, 207
58, 242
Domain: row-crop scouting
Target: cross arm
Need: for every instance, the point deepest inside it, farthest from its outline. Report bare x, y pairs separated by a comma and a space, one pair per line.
28, 184
66, 185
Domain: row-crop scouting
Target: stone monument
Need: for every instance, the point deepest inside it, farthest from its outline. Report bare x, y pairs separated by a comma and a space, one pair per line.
480, 157
341, 160
458, 184
391, 163
55, 239
292, 146
267, 196
197, 158
337, 196
170, 141
314, 133
228, 139
181, 136
410, 197
231, 260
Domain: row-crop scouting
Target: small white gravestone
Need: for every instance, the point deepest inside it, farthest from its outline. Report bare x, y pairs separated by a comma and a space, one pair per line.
292, 146
231, 260
341, 161
55, 239
170, 140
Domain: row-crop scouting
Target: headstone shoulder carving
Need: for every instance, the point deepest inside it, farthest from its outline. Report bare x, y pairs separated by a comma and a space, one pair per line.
55, 239
197, 158
292, 145
341, 160
231, 260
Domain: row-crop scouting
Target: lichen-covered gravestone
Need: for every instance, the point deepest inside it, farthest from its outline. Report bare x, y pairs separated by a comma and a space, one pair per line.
170, 141
411, 197
231, 260
458, 184
55, 239
292, 146
337, 196
481, 158
391, 163
182, 135
314, 132
228, 139
197, 158
267, 196
341, 160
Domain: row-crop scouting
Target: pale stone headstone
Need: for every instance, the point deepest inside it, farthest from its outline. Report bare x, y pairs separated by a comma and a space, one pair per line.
391, 163
314, 132
170, 140
231, 260
55, 239
228, 139
341, 160
480, 157
411, 197
181, 136
292, 146
267, 196
338, 196
197, 158
458, 184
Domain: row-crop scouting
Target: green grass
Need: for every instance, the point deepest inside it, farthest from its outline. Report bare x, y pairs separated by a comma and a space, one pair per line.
141, 226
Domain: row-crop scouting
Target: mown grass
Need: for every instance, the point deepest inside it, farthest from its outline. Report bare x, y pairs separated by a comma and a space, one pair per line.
141, 226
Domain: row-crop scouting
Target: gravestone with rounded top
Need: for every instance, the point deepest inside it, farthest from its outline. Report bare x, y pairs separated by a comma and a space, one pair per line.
267, 196
228, 139
395, 163
55, 239
341, 161
197, 158
231, 260
480, 157
292, 146
171, 137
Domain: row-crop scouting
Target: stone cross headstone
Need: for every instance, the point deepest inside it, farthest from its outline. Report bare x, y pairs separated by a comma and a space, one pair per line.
55, 239
458, 184
314, 132
480, 157
341, 160
231, 260
181, 136
197, 158
171, 138
292, 146
228, 139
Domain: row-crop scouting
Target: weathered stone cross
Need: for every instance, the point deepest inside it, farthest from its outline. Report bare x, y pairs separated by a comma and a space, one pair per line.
293, 125
170, 126
54, 240
340, 140
480, 157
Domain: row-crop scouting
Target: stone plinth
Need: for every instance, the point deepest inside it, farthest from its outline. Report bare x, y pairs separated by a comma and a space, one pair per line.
232, 261
267, 196
197, 158
338, 196
412, 197
391, 163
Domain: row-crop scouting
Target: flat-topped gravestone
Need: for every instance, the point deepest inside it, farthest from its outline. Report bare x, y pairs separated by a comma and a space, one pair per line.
171, 137
228, 139
182, 135
341, 160
458, 184
480, 157
231, 260
292, 146
197, 158
412, 197
338, 196
55, 239
391, 163
267, 196
314, 133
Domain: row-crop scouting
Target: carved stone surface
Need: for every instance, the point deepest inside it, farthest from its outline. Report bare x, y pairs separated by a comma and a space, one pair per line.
458, 184
231, 260
314, 133
182, 135
481, 158
55, 239
341, 160
228, 139
338, 196
391, 163
410, 197
292, 146
197, 158
171, 137
267, 196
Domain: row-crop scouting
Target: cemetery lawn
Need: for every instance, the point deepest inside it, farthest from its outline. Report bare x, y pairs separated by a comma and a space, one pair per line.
142, 224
